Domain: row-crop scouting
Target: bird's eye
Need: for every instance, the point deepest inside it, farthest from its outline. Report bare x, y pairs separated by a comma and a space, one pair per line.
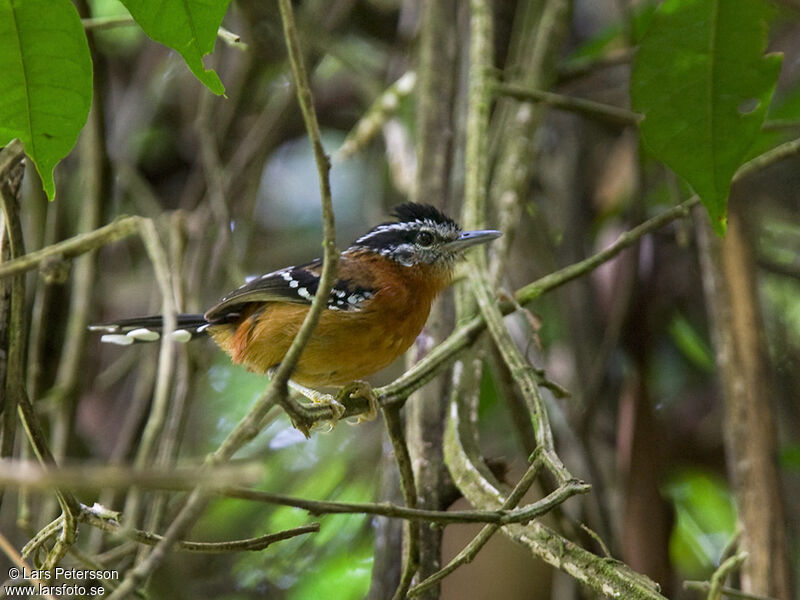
424, 238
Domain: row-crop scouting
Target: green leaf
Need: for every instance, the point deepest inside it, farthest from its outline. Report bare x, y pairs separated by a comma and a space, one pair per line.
691, 343
47, 80
188, 26
705, 523
704, 85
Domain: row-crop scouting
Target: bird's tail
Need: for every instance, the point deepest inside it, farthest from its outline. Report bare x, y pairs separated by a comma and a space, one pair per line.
148, 329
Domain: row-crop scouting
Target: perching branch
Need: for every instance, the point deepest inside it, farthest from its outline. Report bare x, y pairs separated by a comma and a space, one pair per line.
588, 108
108, 521
394, 427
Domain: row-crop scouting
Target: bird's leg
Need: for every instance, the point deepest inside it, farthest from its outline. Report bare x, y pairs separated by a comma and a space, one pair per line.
360, 389
321, 398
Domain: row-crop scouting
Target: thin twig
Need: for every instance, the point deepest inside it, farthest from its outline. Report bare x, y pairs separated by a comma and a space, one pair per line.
612, 58
394, 427
376, 116
108, 521
471, 550
151, 539
715, 588
118, 229
160, 404
170, 436
385, 509
588, 108
15, 557
234, 40
728, 566
100, 23
31, 475
330, 254
705, 587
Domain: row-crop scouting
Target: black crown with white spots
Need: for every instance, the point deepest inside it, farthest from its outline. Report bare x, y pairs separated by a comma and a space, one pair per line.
422, 234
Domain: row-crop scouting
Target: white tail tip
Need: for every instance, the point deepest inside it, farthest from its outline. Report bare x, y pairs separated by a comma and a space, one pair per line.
117, 338
181, 335
143, 334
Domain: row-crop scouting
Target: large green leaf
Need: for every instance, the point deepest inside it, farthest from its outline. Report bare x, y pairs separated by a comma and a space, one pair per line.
703, 83
46, 79
188, 26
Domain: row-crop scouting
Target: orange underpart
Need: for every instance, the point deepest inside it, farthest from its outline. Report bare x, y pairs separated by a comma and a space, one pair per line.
346, 345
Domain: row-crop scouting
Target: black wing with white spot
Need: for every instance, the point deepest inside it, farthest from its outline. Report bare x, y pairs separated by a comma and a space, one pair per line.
292, 284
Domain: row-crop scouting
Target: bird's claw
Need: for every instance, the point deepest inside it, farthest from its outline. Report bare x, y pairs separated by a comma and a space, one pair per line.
361, 389
337, 408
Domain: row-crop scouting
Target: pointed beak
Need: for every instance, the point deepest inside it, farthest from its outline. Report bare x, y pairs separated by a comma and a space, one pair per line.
472, 238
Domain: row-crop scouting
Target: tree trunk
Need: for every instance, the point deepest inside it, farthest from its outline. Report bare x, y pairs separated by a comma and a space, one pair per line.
745, 381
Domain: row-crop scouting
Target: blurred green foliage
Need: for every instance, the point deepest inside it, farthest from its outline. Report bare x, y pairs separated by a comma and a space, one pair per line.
691, 343
115, 41
612, 37
705, 523
340, 466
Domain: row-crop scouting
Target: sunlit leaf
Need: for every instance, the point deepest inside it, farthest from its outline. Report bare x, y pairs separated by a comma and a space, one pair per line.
705, 524
704, 85
188, 26
343, 577
47, 80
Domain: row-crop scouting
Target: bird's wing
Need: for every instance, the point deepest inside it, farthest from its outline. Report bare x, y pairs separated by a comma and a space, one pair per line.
296, 284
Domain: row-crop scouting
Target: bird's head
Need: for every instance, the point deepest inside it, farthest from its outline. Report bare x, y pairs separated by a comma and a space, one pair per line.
422, 234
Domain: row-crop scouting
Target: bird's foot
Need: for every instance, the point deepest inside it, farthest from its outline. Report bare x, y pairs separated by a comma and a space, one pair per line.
337, 408
328, 400
360, 389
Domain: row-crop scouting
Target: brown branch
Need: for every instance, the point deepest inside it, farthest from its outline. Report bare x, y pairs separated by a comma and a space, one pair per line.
15, 557
118, 229
384, 509
394, 427
471, 550
255, 544
598, 111
33, 476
